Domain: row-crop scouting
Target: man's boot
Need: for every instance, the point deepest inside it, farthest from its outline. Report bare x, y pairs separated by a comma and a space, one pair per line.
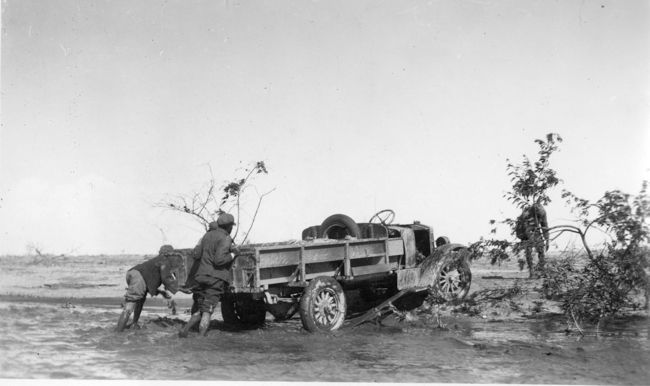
205, 323
542, 261
124, 317
529, 262
194, 319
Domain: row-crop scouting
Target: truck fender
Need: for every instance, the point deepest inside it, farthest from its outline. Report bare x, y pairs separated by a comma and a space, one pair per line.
429, 263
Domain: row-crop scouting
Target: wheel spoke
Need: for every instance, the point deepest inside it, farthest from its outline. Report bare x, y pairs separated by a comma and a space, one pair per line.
454, 286
326, 307
451, 279
444, 285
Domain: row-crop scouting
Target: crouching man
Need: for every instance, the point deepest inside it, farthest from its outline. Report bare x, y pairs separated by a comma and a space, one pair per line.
166, 269
210, 274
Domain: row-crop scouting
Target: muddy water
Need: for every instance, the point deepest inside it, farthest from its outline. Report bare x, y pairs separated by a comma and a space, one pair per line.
62, 340
58, 316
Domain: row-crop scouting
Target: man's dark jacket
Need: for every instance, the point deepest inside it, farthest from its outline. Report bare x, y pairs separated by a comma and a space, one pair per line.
215, 257
532, 219
151, 272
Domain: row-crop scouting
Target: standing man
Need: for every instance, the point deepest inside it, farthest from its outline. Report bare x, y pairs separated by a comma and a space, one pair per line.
191, 286
532, 229
212, 273
166, 269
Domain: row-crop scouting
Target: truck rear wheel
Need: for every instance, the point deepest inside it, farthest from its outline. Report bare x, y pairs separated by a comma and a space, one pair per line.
337, 226
248, 312
323, 305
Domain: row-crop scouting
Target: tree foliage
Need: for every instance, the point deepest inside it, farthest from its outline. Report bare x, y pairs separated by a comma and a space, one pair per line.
611, 277
600, 283
531, 182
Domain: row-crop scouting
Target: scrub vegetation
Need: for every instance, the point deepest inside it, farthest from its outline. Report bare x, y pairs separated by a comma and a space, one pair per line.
600, 281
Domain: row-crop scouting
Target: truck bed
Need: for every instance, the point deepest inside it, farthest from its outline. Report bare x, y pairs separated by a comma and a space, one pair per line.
296, 262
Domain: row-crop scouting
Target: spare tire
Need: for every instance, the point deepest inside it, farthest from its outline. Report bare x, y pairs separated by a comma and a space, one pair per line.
338, 226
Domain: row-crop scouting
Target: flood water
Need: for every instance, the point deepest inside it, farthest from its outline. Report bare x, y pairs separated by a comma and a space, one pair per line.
49, 340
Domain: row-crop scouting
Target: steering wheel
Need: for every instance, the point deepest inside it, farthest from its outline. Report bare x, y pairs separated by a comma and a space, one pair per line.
385, 217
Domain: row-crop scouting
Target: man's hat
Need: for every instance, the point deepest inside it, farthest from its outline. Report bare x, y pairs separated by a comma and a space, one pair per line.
225, 219
166, 249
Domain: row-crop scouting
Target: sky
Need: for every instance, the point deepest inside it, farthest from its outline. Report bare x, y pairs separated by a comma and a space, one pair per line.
109, 107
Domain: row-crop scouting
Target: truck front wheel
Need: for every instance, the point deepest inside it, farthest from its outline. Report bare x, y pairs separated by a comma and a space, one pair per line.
447, 273
323, 305
453, 279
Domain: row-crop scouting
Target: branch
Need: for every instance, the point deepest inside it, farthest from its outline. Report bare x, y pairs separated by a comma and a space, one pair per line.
575, 323
238, 212
568, 228
184, 208
255, 214
203, 205
593, 222
241, 188
575, 229
207, 197
560, 232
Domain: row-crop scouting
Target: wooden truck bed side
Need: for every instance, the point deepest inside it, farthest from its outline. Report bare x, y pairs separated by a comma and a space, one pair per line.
301, 262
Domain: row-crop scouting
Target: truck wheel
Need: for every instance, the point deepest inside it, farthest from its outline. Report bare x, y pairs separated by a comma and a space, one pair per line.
447, 274
323, 305
453, 279
247, 312
337, 226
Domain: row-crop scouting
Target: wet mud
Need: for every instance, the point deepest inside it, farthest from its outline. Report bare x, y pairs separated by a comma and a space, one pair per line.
67, 340
64, 336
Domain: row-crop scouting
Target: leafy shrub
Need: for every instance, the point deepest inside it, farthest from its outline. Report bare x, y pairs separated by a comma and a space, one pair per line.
609, 279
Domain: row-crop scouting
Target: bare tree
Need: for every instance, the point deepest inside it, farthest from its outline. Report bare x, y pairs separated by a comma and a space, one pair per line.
206, 203
33, 247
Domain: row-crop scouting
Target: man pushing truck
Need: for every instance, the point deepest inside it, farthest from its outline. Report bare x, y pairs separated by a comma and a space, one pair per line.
210, 274
166, 269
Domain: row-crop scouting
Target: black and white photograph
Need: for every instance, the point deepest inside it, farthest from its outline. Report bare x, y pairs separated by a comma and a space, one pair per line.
325, 191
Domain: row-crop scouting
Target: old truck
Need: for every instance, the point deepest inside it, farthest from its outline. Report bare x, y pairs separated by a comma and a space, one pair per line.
312, 276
